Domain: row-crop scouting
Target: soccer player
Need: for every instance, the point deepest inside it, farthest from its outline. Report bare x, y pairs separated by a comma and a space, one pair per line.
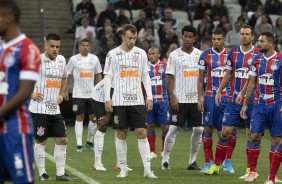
160, 112
237, 68
212, 65
265, 79
50, 89
86, 70
206, 42
127, 66
19, 69
182, 77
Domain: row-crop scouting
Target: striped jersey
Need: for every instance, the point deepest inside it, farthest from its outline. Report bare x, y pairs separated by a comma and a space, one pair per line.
240, 62
49, 84
214, 65
19, 60
269, 78
83, 70
184, 68
158, 81
126, 69
98, 93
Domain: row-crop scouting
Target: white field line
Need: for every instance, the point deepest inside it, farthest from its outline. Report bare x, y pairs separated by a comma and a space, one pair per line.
74, 171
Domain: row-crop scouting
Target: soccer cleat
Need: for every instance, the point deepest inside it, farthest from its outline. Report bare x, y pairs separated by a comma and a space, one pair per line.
79, 149
122, 174
252, 176
205, 168
268, 182
90, 146
65, 177
118, 168
162, 154
228, 166
194, 166
99, 167
45, 177
165, 166
153, 155
214, 169
246, 174
277, 180
150, 175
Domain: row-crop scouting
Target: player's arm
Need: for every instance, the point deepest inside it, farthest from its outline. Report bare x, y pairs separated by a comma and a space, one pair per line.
200, 87
243, 92
98, 78
105, 119
250, 91
226, 79
170, 87
107, 88
63, 91
24, 92
148, 88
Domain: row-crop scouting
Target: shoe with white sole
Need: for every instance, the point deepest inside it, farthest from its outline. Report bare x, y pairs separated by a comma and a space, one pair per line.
99, 167
150, 175
153, 155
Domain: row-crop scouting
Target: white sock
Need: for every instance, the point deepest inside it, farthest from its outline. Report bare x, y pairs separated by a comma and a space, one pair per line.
121, 154
144, 150
169, 141
115, 139
196, 141
99, 144
92, 127
60, 153
39, 155
78, 128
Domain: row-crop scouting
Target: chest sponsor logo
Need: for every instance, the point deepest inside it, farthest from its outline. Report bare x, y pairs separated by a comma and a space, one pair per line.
242, 73
53, 83
130, 97
85, 74
125, 73
190, 73
218, 72
266, 79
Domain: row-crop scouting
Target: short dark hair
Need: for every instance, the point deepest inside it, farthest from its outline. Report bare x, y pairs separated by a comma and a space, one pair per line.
12, 7
219, 31
270, 36
84, 40
246, 26
52, 36
189, 28
128, 27
206, 40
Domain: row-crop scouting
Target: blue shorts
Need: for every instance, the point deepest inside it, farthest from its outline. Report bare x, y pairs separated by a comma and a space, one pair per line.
16, 157
213, 114
159, 113
232, 115
267, 116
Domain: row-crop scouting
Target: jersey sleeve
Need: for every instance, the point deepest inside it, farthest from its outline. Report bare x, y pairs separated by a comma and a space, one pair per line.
229, 61
108, 64
29, 62
65, 73
253, 67
202, 63
70, 66
145, 67
97, 68
170, 68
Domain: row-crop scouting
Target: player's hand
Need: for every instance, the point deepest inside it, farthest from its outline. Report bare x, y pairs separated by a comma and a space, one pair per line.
239, 99
102, 121
217, 98
109, 106
149, 105
174, 104
243, 112
37, 96
60, 98
66, 96
201, 105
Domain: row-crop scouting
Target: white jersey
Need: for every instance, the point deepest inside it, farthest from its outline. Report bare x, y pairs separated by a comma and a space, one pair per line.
184, 68
83, 70
126, 69
98, 92
49, 84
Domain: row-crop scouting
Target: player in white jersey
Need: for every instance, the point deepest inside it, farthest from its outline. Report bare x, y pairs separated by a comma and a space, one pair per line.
86, 70
182, 76
127, 67
50, 89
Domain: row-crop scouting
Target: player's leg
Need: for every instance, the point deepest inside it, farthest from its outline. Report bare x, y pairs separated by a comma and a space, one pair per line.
151, 135
177, 119
195, 121
57, 129
79, 108
40, 123
92, 125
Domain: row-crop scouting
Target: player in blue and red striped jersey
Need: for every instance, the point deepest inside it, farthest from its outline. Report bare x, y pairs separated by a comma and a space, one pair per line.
266, 77
19, 66
237, 67
160, 112
212, 65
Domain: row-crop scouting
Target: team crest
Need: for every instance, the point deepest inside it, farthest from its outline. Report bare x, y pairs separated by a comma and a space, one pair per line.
74, 108
116, 120
40, 131
135, 58
206, 118
228, 62
161, 69
202, 62
253, 68
174, 118
224, 119
249, 61
274, 67
9, 61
